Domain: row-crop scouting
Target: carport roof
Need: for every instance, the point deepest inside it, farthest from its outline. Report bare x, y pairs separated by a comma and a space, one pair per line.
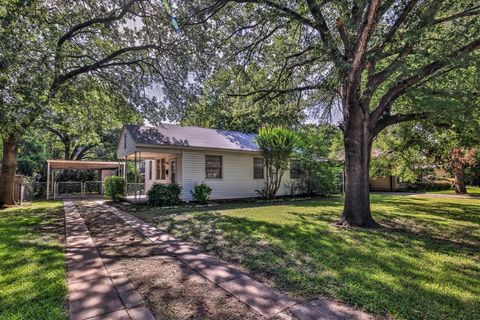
83, 165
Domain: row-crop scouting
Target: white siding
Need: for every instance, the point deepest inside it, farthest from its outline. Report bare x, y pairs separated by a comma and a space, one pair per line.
237, 177
122, 149
169, 158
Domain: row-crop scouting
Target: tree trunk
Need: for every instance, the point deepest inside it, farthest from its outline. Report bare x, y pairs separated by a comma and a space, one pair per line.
358, 145
460, 187
9, 167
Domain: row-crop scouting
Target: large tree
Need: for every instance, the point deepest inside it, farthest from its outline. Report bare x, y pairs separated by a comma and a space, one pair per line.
412, 151
86, 115
448, 138
129, 45
361, 56
215, 108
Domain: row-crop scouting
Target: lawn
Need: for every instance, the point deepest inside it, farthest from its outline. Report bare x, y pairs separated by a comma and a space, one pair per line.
424, 263
471, 191
32, 264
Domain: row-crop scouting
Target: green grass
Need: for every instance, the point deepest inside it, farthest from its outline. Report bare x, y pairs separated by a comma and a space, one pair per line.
471, 191
424, 264
32, 264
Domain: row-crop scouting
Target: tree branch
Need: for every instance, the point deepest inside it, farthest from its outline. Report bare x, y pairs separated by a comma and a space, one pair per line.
98, 20
94, 66
325, 34
275, 90
344, 37
467, 13
388, 120
362, 43
401, 18
403, 85
287, 11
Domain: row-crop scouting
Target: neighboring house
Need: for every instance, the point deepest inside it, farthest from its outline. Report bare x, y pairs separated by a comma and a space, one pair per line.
389, 184
229, 162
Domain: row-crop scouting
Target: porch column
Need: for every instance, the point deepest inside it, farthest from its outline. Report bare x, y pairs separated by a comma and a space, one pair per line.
48, 180
125, 169
53, 185
136, 178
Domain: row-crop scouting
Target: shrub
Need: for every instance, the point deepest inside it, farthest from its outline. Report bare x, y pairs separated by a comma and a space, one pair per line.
277, 145
164, 194
115, 187
201, 192
428, 186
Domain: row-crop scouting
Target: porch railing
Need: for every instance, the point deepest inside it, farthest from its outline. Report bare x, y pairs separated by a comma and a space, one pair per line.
135, 189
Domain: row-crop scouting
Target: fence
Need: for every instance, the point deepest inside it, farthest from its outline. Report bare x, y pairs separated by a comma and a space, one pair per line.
38, 190
72, 188
137, 189
93, 187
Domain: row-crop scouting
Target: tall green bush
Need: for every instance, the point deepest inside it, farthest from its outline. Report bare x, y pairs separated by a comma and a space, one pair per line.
164, 194
201, 193
277, 145
115, 187
318, 156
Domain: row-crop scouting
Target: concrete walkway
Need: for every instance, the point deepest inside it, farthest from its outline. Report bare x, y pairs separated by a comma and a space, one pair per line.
96, 288
428, 195
266, 301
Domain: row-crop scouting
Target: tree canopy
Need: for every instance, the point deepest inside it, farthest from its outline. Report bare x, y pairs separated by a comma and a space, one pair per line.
370, 59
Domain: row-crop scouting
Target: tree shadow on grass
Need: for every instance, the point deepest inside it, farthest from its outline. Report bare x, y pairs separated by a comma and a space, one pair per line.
395, 271
32, 265
170, 289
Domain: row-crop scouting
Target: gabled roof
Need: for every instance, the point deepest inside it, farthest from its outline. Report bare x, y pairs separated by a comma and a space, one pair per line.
194, 137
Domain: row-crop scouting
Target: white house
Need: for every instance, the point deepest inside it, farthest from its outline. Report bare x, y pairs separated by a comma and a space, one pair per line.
228, 161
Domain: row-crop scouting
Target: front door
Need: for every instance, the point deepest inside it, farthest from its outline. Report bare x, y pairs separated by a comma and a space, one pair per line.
173, 171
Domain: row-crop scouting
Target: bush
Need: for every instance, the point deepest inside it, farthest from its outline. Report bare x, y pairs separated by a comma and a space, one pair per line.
201, 192
277, 145
115, 187
164, 194
428, 186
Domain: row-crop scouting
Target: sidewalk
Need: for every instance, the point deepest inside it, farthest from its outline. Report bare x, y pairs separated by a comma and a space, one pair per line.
264, 300
95, 290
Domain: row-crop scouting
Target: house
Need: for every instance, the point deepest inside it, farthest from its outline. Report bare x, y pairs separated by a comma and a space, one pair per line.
229, 162
386, 184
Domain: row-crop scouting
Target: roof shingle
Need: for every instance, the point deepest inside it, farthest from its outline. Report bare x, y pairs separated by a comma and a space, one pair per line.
175, 135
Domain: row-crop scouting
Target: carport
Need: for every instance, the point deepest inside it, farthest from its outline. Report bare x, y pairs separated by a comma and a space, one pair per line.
106, 168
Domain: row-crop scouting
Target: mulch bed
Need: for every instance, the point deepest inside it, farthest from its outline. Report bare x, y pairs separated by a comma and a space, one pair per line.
170, 289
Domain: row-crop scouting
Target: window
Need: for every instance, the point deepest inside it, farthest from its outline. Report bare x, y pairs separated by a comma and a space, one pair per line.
213, 167
150, 165
161, 169
258, 168
125, 141
295, 169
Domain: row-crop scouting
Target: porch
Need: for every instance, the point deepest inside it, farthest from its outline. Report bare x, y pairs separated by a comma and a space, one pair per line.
146, 168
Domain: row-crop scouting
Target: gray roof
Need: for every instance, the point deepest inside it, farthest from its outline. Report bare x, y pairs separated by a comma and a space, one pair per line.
175, 135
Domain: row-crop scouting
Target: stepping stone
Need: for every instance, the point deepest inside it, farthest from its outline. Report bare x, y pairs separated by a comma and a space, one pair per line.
115, 315
257, 296
131, 298
86, 274
92, 262
111, 264
140, 313
211, 268
121, 282
81, 253
80, 241
93, 298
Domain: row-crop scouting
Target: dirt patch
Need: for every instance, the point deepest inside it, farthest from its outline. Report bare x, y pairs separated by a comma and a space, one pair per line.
170, 289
